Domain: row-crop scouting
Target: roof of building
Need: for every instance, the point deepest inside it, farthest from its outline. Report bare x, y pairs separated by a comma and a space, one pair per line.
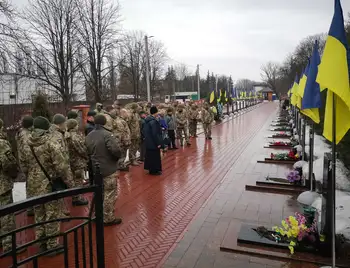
266, 90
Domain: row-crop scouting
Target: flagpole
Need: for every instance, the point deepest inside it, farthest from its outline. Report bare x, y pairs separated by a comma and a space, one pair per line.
311, 160
334, 123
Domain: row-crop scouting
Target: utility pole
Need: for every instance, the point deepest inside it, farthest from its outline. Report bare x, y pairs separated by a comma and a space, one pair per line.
216, 84
198, 83
147, 70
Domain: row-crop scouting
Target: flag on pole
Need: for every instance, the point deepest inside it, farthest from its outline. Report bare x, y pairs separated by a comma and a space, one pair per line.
311, 101
300, 90
333, 74
212, 97
294, 99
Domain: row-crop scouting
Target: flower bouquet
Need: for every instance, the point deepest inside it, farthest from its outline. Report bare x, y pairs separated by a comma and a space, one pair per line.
294, 177
281, 143
296, 231
285, 156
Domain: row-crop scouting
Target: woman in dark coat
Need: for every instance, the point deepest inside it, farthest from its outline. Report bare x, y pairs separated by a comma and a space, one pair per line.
153, 142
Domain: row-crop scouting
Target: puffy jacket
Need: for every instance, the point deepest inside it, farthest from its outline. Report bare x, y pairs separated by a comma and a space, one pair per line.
103, 150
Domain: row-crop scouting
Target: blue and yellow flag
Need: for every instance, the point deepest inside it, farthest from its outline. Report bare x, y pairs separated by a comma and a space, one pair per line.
333, 74
212, 97
311, 101
300, 90
294, 98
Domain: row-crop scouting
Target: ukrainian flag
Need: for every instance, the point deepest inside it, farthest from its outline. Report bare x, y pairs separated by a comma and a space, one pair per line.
212, 97
311, 101
333, 74
294, 89
300, 90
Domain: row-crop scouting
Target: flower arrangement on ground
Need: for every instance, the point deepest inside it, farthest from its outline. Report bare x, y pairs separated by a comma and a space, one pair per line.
294, 176
282, 133
297, 231
291, 155
281, 143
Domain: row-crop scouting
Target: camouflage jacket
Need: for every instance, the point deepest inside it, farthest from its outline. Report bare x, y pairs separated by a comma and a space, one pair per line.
122, 131
48, 150
193, 114
134, 126
22, 138
78, 155
58, 136
110, 123
8, 165
207, 116
181, 119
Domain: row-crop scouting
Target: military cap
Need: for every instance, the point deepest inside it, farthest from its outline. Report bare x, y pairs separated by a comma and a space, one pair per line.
58, 119
41, 122
100, 119
27, 121
91, 113
72, 115
98, 104
71, 123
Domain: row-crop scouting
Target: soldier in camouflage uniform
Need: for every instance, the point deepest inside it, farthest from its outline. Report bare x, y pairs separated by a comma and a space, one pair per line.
57, 131
181, 124
124, 135
207, 120
193, 120
78, 157
8, 173
134, 126
49, 151
99, 108
22, 137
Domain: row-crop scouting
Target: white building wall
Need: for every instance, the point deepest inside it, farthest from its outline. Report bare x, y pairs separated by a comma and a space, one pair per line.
10, 93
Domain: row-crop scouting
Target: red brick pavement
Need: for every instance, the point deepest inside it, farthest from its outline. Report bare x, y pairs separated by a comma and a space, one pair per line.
157, 210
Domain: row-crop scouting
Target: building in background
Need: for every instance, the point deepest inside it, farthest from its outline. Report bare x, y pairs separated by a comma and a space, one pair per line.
15, 89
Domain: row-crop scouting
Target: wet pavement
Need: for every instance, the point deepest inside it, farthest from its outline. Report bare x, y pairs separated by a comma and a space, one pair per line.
180, 218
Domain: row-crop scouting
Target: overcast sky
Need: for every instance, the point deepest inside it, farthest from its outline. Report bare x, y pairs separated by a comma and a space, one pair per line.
231, 37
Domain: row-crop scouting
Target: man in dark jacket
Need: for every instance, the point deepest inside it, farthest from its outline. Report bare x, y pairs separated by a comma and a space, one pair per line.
153, 143
104, 151
90, 125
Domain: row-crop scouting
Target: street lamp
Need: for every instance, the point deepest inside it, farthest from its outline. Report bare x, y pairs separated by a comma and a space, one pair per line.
148, 69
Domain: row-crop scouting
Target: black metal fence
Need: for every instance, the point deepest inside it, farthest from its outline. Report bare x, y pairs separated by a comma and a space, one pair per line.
81, 229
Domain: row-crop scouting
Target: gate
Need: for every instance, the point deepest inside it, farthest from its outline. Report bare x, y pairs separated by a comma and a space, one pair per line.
82, 232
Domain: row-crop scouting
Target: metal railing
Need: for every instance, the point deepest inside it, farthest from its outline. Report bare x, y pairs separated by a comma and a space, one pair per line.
87, 221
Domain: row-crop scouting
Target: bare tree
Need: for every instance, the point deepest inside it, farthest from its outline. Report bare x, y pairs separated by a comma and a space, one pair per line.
45, 49
131, 60
132, 63
97, 28
244, 85
182, 72
270, 75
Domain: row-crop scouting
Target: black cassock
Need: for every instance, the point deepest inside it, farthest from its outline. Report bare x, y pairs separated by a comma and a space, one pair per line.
153, 140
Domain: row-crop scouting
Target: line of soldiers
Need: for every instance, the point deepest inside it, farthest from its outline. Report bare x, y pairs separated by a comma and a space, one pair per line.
57, 151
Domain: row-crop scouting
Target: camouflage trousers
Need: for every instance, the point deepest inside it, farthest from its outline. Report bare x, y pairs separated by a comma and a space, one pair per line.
207, 130
134, 147
7, 223
109, 196
29, 193
192, 127
182, 132
121, 161
47, 212
78, 177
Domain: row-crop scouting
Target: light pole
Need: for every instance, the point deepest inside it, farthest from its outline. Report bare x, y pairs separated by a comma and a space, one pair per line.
198, 83
148, 69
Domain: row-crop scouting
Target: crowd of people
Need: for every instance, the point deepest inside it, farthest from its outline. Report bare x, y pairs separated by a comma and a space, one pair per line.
56, 155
